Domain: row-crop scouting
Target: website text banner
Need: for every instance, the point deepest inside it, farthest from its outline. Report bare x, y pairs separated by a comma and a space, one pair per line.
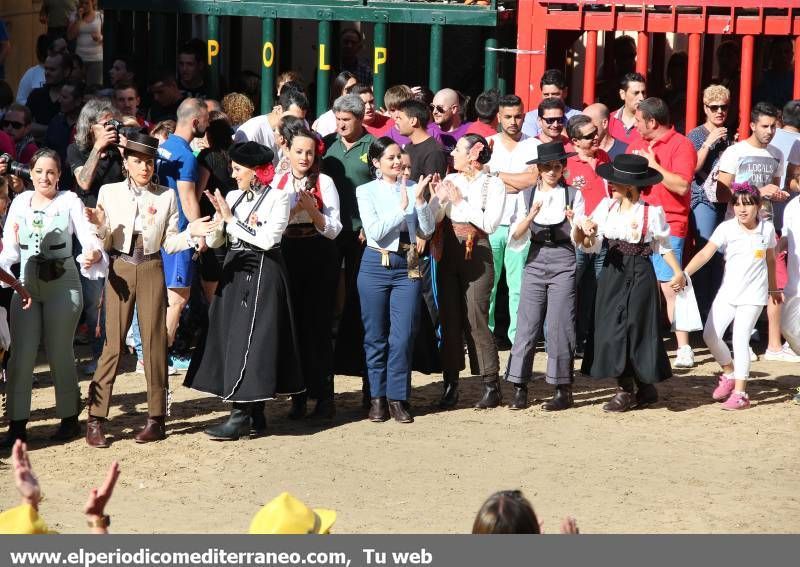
397, 551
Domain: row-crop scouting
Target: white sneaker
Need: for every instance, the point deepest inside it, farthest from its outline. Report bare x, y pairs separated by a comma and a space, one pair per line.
786, 354
684, 357
753, 355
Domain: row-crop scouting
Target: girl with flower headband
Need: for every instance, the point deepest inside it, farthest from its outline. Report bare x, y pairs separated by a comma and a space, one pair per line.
312, 263
748, 283
468, 206
250, 353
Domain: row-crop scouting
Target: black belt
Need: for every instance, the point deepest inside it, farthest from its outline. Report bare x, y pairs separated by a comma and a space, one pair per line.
251, 248
552, 243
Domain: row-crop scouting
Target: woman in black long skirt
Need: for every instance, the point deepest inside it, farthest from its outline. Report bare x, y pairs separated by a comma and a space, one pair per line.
627, 344
250, 353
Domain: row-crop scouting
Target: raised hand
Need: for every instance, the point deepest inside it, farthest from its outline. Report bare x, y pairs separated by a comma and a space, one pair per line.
26, 481
222, 207
403, 197
96, 216
202, 227
422, 185
91, 257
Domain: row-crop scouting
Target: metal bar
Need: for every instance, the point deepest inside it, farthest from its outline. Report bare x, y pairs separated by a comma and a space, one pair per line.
796, 93
267, 64
693, 81
746, 86
379, 62
590, 67
213, 55
490, 61
323, 64
643, 53
435, 60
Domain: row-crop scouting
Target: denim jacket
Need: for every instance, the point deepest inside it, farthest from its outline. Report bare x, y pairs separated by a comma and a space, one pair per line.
379, 205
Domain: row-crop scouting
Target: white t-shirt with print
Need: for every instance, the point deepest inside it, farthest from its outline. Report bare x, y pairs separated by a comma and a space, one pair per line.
745, 280
746, 162
504, 160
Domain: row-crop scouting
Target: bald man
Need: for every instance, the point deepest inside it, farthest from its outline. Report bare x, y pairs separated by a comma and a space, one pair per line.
599, 114
446, 110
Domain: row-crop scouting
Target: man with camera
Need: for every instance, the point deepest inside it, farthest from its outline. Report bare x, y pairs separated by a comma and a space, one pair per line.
95, 161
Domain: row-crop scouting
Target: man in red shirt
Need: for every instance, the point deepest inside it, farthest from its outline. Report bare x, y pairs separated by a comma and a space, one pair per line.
580, 173
674, 157
375, 123
622, 122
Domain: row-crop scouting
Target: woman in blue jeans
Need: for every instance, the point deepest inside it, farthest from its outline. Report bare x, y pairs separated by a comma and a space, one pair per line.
710, 139
394, 212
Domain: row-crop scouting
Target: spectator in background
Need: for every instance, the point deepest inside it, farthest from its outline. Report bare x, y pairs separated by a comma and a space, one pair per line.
778, 80
33, 78
127, 100
673, 156
86, 29
351, 41
192, 69
61, 130
622, 124
375, 123
5, 49
598, 112
17, 124
261, 129
167, 97
427, 157
288, 77
448, 118
787, 140
341, 85
553, 85
551, 120
238, 107
486, 108
44, 101
163, 129
675, 90
55, 14
121, 70
710, 140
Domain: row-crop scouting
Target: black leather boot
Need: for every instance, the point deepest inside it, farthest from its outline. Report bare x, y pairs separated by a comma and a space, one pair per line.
16, 430
492, 397
561, 400
299, 405
520, 401
326, 407
449, 397
398, 409
68, 429
238, 425
258, 421
646, 394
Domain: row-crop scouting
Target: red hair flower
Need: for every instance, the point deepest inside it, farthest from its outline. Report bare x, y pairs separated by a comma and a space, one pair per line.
265, 173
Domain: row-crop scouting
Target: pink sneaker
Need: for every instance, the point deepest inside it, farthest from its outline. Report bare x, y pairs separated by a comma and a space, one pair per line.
737, 401
724, 388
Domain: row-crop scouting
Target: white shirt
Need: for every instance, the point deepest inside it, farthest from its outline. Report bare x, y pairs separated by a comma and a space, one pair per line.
504, 160
258, 129
759, 166
330, 203
789, 145
745, 279
32, 79
262, 227
325, 124
615, 224
553, 211
791, 231
470, 209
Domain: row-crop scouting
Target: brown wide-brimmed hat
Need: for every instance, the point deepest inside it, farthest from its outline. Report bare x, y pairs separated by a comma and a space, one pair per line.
141, 144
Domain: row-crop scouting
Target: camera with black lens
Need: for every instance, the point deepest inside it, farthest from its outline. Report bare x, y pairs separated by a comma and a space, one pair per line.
115, 123
16, 168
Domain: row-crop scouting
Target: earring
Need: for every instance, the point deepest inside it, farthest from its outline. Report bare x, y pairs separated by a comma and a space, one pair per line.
378, 174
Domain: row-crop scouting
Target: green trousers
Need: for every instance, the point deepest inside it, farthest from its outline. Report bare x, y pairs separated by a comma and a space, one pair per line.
52, 318
514, 264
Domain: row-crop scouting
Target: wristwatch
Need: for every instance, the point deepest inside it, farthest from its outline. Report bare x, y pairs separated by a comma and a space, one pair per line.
102, 522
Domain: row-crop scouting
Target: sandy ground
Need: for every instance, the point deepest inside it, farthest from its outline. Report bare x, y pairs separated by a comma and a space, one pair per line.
681, 466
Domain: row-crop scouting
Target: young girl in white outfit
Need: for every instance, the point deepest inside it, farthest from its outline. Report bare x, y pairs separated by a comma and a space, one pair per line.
748, 245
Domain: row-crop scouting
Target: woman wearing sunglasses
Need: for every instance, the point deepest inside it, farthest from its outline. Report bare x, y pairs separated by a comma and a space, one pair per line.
544, 218
710, 139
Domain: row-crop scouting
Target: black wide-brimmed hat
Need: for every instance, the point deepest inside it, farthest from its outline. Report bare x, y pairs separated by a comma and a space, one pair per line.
629, 169
551, 151
141, 144
250, 154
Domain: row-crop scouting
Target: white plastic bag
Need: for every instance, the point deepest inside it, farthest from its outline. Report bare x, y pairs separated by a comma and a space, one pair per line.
687, 315
790, 322
5, 334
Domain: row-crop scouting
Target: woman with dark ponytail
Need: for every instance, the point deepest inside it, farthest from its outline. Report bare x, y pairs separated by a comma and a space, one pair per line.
313, 266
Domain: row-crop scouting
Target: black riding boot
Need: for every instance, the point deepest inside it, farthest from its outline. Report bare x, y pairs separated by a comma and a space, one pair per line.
238, 424
258, 424
492, 396
449, 397
561, 400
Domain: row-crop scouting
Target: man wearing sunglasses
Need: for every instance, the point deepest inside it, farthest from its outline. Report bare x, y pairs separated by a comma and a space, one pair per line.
446, 110
551, 121
17, 124
44, 101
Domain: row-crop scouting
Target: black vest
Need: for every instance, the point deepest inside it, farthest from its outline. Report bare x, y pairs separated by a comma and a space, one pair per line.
558, 233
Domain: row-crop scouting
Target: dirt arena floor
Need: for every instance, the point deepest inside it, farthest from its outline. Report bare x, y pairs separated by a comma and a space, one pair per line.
682, 466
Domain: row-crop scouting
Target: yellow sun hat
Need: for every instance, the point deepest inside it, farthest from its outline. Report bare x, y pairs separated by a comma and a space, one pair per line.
285, 514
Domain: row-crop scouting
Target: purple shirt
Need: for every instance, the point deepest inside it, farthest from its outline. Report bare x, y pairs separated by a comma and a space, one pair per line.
448, 139
402, 141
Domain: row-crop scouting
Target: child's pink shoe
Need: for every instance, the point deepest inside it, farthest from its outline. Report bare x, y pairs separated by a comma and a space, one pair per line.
724, 387
737, 401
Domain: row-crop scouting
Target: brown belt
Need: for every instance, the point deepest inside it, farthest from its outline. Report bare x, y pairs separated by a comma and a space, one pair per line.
137, 255
301, 230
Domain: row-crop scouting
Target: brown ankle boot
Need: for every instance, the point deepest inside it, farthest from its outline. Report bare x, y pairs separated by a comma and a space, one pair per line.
154, 430
95, 437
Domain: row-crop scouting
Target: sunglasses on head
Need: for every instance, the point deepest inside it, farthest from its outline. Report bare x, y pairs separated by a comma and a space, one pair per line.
717, 107
14, 125
554, 120
590, 136
438, 108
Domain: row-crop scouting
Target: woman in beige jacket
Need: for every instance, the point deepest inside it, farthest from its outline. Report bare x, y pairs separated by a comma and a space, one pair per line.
135, 219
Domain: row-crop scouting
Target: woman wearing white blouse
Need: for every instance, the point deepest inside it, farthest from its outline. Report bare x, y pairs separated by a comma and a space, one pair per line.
38, 234
626, 343
548, 282
468, 206
312, 263
250, 353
